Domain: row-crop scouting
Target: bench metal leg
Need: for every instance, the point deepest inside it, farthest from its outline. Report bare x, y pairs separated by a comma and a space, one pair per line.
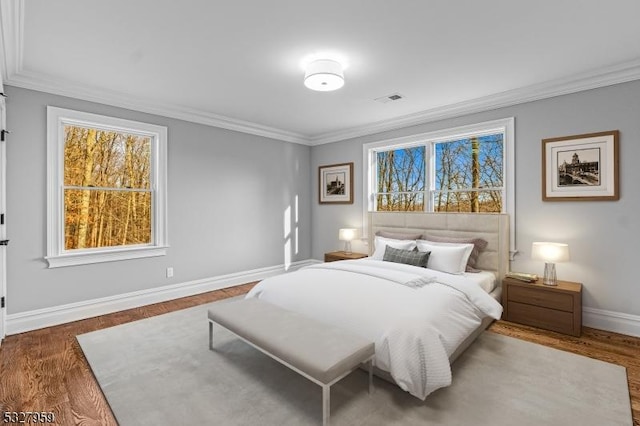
210, 335
326, 404
371, 376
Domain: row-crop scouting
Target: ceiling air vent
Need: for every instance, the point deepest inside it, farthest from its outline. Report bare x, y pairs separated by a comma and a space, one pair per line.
389, 98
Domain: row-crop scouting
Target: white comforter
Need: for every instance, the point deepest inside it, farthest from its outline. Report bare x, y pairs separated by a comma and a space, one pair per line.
417, 317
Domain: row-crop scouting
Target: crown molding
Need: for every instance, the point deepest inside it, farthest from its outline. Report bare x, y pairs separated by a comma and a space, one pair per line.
13, 74
607, 76
619, 73
35, 81
11, 40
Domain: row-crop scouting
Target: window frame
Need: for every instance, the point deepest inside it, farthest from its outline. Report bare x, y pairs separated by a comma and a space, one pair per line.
506, 126
374, 183
57, 255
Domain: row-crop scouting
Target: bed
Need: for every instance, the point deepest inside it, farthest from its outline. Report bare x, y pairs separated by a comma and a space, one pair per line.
420, 319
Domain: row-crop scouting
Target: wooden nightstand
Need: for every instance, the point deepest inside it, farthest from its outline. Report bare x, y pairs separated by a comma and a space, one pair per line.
556, 308
342, 255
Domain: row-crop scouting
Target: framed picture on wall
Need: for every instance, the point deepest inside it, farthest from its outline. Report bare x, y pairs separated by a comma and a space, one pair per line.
335, 184
581, 167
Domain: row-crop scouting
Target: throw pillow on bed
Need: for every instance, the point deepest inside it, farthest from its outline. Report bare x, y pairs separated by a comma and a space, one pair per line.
478, 245
408, 257
381, 244
451, 258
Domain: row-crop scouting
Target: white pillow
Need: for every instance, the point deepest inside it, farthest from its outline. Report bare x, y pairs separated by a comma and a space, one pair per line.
381, 243
446, 257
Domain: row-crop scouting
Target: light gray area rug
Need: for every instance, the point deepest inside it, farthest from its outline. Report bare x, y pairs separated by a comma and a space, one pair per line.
159, 371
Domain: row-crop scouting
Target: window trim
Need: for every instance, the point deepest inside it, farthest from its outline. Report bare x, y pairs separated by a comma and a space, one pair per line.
57, 256
505, 125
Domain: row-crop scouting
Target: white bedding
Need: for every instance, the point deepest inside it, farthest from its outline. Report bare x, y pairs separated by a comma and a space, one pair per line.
417, 317
485, 279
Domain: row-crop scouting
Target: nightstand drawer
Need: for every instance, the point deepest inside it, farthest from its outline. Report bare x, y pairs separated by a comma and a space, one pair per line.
540, 297
549, 319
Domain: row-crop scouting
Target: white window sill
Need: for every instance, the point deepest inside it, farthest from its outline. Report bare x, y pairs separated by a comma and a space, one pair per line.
88, 258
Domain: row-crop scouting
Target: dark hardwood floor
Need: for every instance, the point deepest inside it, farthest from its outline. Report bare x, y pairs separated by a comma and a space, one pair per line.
45, 370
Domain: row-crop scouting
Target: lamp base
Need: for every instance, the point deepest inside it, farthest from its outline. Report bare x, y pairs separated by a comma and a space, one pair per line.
549, 274
347, 247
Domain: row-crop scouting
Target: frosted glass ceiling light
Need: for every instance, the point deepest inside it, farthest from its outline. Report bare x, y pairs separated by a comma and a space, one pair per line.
324, 75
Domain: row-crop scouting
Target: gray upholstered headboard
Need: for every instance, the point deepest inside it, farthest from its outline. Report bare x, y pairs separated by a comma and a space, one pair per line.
492, 227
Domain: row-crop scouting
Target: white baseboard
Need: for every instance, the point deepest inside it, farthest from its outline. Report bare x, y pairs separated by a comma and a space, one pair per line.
611, 321
47, 317
31, 320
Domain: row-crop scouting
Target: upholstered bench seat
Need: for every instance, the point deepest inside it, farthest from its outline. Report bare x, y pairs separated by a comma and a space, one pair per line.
321, 352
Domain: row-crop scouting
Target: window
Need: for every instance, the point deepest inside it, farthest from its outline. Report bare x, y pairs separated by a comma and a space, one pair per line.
107, 183
400, 179
465, 169
468, 174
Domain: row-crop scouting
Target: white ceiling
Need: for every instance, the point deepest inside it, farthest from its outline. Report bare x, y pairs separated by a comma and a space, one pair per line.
238, 64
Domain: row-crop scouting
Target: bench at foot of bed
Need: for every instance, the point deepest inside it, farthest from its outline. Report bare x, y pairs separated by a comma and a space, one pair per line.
320, 352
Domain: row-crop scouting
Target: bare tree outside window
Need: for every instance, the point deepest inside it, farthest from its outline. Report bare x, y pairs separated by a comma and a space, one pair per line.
401, 179
468, 176
107, 188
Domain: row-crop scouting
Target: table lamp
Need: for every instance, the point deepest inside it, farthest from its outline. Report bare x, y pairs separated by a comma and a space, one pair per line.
346, 235
550, 253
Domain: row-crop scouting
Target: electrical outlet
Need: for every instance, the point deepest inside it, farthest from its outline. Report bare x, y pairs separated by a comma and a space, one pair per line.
169, 272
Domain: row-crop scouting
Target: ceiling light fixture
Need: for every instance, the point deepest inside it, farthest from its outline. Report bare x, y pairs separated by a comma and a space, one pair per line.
324, 75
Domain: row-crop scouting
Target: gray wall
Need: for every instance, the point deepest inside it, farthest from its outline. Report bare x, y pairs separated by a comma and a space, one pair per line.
228, 193
602, 236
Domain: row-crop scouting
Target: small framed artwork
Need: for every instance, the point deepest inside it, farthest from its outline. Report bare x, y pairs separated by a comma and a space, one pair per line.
581, 167
336, 184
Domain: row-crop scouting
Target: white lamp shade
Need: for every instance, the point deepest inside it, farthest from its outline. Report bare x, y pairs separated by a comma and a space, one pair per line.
347, 234
550, 252
324, 75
